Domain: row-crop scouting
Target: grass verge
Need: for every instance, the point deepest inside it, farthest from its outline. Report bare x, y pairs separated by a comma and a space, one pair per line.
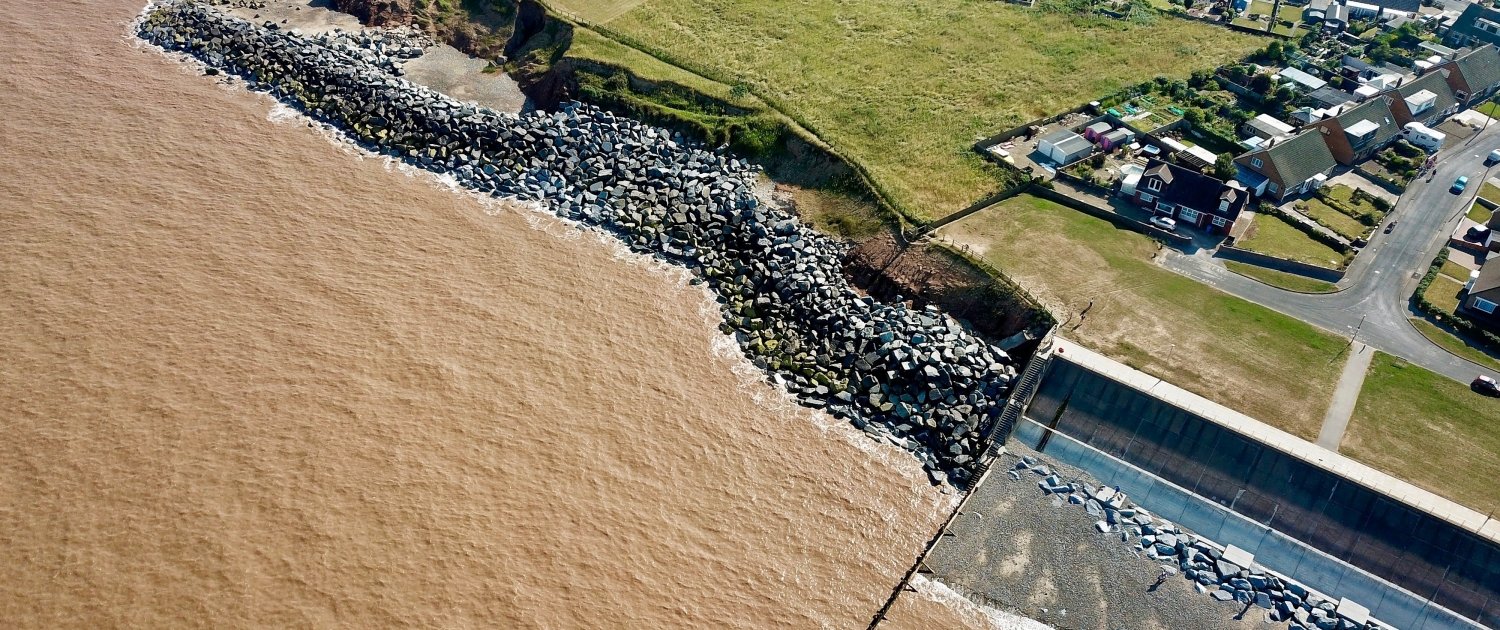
905, 88
1206, 341
1453, 344
1281, 279
1273, 236
1429, 430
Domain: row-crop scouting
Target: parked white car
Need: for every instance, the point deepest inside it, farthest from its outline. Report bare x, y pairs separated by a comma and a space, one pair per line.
1164, 223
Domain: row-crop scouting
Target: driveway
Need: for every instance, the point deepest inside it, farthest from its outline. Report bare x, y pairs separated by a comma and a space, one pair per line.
1375, 292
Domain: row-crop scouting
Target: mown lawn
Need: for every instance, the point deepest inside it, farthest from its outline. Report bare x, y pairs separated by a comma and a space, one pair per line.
906, 88
1490, 192
1453, 344
1281, 279
1330, 217
1242, 355
1443, 292
1273, 236
1429, 430
1479, 214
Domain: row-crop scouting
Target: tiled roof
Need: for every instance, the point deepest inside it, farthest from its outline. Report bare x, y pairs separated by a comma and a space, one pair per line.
1194, 190
1377, 111
1431, 82
1489, 276
1409, 6
1481, 67
1300, 157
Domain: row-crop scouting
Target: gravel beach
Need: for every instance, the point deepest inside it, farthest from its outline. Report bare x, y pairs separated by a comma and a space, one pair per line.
1015, 548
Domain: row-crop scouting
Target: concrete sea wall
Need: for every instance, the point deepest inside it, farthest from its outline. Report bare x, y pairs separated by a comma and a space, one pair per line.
914, 377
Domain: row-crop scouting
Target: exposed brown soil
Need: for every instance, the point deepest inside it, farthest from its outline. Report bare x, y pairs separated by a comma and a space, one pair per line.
478, 27
926, 274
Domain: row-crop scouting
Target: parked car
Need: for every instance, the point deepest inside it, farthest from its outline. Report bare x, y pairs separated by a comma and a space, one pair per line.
1493, 158
1390, 226
1459, 185
1164, 223
1477, 234
1485, 385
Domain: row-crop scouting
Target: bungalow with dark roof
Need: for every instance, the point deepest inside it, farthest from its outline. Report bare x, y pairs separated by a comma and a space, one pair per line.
1477, 74
1482, 296
1357, 133
1476, 26
1190, 198
1288, 167
1427, 100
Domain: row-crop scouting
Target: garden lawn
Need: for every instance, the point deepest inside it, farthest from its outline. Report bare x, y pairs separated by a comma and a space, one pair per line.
1334, 220
1206, 341
1490, 192
1454, 270
906, 88
1429, 430
1443, 292
1280, 279
1479, 214
1273, 236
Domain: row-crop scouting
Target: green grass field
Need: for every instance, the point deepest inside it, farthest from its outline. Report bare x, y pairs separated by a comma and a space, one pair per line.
1330, 217
1206, 341
905, 88
1454, 344
1280, 279
1275, 237
1429, 430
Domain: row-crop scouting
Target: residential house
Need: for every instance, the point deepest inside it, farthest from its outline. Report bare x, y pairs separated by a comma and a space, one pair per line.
1337, 19
1476, 26
1427, 100
1267, 127
1316, 10
1064, 147
1329, 96
1358, 132
1188, 197
1288, 167
1481, 298
1476, 74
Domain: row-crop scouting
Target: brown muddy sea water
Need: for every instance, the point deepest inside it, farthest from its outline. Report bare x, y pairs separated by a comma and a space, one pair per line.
249, 378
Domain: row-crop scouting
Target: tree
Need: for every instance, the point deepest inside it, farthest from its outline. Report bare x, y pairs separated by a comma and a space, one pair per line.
1261, 83
1275, 51
1224, 167
1187, 4
1194, 117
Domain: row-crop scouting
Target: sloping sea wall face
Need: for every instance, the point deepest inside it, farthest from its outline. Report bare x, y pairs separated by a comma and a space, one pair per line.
914, 377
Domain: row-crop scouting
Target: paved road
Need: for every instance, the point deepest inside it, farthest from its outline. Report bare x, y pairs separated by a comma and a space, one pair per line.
1375, 292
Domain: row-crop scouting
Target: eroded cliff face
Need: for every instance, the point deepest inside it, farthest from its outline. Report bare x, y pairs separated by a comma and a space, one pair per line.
378, 12
478, 27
